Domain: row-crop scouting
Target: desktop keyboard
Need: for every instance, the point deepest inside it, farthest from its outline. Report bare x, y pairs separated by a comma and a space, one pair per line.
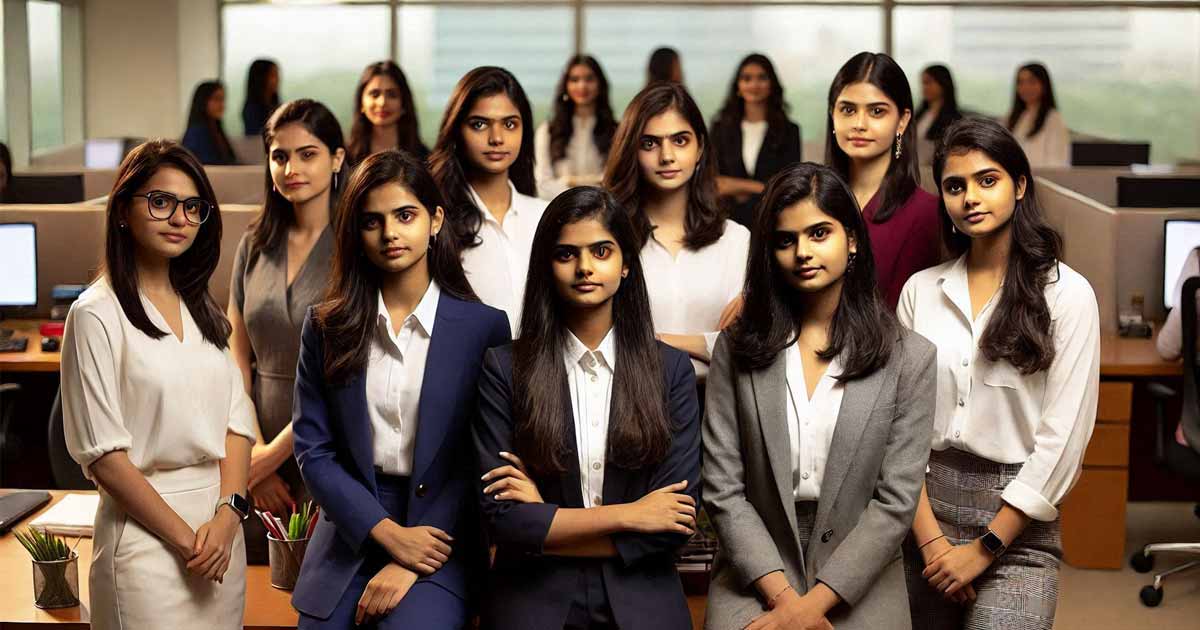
14, 344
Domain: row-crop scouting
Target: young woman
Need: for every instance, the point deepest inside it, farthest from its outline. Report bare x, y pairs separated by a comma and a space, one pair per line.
939, 108
875, 151
753, 137
1018, 347
663, 170
154, 409
483, 164
262, 95
280, 269
386, 114
1035, 121
817, 370
1170, 337
664, 65
205, 134
589, 439
385, 394
571, 147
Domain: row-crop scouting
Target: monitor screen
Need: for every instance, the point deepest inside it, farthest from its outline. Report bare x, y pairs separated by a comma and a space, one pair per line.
1179, 239
18, 264
103, 153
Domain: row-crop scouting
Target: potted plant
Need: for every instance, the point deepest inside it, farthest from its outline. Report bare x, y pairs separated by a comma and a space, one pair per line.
55, 569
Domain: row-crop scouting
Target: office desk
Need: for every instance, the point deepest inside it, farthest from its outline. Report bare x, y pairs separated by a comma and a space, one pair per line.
1125, 357
33, 359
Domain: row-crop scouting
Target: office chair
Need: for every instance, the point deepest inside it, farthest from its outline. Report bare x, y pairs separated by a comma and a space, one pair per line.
1181, 460
66, 472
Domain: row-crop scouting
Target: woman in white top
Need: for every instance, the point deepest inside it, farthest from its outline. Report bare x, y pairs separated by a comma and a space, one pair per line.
1170, 337
1035, 121
154, 408
1018, 338
483, 164
571, 147
663, 169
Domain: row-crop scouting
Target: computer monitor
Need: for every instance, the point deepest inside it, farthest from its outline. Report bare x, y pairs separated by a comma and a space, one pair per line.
18, 265
103, 152
1180, 237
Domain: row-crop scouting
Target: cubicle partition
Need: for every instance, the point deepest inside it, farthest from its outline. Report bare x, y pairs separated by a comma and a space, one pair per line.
1090, 240
1139, 254
244, 184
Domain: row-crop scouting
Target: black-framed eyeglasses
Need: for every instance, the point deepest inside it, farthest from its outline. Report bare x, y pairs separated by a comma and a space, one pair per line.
162, 206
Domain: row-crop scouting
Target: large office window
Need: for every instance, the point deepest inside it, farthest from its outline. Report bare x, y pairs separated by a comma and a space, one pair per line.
45, 72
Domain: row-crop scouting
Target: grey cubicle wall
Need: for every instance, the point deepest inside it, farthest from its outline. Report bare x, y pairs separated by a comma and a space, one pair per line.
1090, 240
1139, 254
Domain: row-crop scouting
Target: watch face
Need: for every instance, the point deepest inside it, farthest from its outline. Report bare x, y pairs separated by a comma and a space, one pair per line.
240, 504
992, 542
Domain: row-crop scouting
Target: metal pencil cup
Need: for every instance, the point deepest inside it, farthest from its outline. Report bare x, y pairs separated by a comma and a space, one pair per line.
286, 556
56, 583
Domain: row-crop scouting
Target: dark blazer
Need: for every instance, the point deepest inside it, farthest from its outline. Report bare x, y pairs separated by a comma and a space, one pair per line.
333, 444
780, 149
530, 591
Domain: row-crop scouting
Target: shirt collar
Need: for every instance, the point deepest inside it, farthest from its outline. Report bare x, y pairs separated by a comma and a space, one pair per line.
953, 282
576, 353
422, 317
513, 207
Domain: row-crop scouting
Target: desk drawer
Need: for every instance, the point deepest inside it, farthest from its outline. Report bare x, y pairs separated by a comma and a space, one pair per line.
1093, 520
1116, 402
1109, 446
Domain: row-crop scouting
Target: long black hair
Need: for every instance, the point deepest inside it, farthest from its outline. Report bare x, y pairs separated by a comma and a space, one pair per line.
949, 110
191, 270
408, 132
349, 308
662, 64
864, 329
705, 220
562, 122
256, 86
6, 160
1020, 327
1048, 103
270, 227
903, 175
640, 433
448, 164
198, 117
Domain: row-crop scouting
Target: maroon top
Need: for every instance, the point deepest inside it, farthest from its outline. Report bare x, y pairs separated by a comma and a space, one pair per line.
908, 242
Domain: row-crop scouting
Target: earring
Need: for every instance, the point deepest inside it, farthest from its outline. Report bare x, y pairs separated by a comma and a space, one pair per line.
953, 230
432, 240
850, 261
122, 225
897, 146
565, 97
335, 180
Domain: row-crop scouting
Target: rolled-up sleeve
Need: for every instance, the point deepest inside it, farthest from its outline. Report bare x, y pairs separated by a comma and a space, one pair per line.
90, 390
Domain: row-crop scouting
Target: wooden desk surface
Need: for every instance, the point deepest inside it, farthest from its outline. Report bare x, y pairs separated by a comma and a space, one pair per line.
267, 608
1129, 357
33, 359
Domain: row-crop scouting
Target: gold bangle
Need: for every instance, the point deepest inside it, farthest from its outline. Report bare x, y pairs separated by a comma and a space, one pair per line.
930, 542
771, 600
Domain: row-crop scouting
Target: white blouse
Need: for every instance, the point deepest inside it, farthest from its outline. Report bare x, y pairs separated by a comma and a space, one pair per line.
753, 135
1051, 146
1170, 337
582, 159
1043, 420
395, 373
498, 266
688, 292
168, 403
811, 422
925, 147
590, 380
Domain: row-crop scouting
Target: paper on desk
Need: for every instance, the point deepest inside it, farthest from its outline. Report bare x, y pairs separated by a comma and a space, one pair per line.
74, 515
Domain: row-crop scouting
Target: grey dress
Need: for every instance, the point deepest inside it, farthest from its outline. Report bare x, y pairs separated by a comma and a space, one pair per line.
274, 313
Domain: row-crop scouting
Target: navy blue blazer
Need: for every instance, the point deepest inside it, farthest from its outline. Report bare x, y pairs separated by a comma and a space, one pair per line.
333, 445
530, 591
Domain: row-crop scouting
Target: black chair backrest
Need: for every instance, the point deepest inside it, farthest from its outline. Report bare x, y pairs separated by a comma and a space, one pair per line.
1191, 402
1158, 192
66, 472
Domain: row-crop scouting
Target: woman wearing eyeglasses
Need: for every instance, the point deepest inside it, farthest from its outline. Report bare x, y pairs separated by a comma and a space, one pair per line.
154, 407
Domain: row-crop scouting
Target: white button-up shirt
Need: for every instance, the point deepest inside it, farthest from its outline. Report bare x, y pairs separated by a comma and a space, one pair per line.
1047, 148
395, 372
582, 158
497, 267
810, 423
1043, 420
590, 379
688, 292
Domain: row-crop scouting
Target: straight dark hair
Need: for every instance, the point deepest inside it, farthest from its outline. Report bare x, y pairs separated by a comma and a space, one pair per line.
1048, 103
6, 160
705, 221
903, 175
864, 329
191, 270
256, 85
1020, 328
734, 110
661, 66
562, 122
270, 228
450, 166
640, 430
949, 111
198, 117
347, 315
408, 131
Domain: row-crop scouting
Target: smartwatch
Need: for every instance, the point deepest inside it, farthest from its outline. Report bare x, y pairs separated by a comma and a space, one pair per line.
993, 544
238, 503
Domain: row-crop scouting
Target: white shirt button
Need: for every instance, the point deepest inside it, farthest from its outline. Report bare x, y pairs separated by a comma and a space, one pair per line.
804, 476
596, 500
595, 465
594, 378
962, 403
965, 362
958, 434
595, 423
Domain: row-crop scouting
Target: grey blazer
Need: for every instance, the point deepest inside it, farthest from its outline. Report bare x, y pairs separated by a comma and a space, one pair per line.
868, 495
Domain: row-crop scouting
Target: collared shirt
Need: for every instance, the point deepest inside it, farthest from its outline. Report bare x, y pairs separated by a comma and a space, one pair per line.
753, 135
1049, 147
395, 372
1042, 420
810, 423
590, 379
688, 292
581, 160
497, 267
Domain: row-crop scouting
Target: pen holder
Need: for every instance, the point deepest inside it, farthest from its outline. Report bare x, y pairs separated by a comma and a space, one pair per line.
286, 556
56, 583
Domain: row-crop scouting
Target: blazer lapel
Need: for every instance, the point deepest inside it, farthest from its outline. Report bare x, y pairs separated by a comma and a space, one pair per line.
351, 409
443, 368
571, 484
770, 393
765, 154
858, 401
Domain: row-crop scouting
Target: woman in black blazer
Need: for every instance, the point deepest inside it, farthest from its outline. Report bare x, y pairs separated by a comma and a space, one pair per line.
588, 438
753, 136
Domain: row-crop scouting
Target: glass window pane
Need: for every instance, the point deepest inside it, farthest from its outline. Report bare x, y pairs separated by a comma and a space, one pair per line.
45, 72
320, 51
1119, 73
439, 44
